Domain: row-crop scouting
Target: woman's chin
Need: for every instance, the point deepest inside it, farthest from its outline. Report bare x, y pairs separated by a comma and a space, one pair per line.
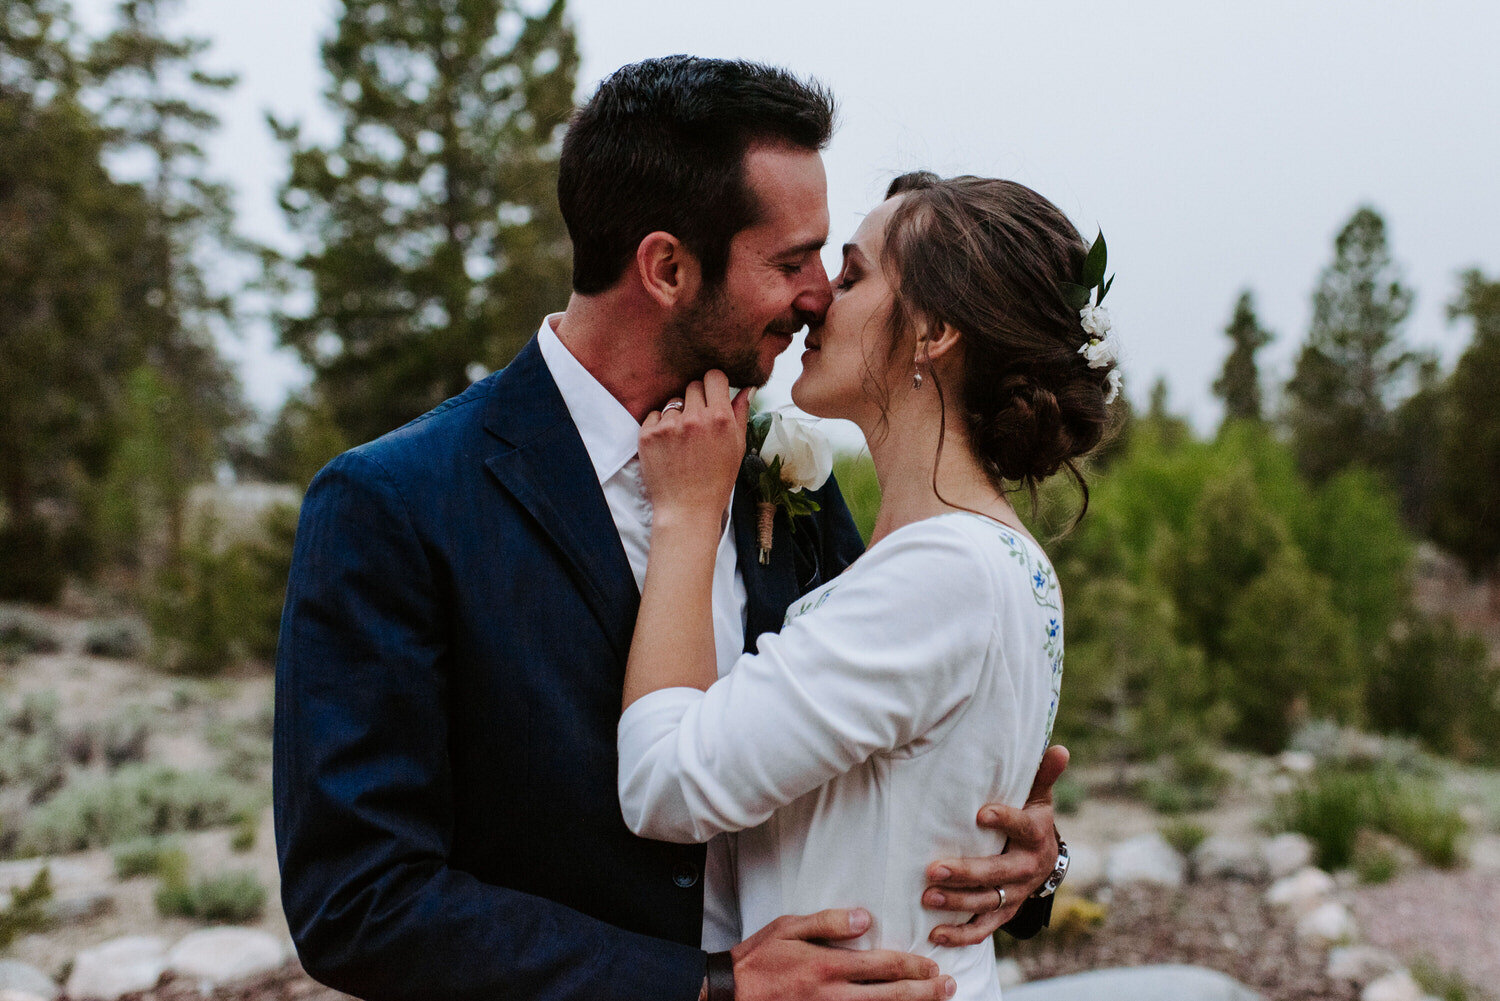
804, 398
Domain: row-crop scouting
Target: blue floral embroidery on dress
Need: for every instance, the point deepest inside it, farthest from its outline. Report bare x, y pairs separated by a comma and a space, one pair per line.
1045, 590
808, 603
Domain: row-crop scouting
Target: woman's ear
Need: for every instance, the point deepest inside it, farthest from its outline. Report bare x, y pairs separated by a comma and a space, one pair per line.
668, 271
938, 341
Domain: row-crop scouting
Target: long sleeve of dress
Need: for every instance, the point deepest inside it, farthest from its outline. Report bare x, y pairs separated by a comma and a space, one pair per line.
883, 658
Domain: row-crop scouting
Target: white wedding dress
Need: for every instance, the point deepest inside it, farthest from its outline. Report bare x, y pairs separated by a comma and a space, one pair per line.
857, 745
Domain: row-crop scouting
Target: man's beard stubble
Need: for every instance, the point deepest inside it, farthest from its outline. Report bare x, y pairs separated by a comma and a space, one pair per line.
703, 337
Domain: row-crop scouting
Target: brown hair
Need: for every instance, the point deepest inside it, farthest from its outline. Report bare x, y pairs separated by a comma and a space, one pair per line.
988, 257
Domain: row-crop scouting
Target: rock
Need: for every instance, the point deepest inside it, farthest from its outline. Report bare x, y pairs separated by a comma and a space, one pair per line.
79, 907
1222, 857
1146, 858
1484, 853
25, 979
1302, 891
1010, 974
215, 956
117, 967
1360, 964
1396, 986
1085, 867
1297, 762
1327, 924
1286, 853
1138, 983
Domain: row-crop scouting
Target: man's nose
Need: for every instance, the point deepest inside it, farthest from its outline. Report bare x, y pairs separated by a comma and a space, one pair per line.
812, 302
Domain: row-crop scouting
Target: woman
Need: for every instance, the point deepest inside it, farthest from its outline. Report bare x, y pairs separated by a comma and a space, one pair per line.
852, 745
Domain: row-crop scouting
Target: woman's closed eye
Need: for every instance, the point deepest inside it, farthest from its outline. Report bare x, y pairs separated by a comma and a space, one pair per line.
846, 279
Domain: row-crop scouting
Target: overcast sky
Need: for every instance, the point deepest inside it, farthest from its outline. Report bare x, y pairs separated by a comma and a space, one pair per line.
1218, 146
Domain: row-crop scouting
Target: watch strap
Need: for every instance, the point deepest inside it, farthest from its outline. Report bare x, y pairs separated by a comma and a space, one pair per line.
720, 976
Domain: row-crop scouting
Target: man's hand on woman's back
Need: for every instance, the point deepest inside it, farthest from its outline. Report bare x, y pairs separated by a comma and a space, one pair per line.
789, 959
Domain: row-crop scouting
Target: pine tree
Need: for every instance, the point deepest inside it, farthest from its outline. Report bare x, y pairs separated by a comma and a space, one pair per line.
152, 87
1340, 395
68, 251
1467, 515
1239, 384
435, 238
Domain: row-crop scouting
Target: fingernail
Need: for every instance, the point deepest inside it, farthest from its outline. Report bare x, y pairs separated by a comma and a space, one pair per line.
950, 987
935, 899
989, 816
859, 920
941, 872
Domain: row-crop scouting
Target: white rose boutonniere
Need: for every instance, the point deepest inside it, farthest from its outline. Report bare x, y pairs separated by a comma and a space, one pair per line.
788, 458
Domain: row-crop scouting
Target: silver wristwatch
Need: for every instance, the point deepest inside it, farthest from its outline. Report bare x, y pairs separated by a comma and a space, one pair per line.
1048, 888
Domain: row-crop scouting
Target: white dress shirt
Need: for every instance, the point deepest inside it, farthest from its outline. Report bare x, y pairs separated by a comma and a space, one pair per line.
610, 435
853, 748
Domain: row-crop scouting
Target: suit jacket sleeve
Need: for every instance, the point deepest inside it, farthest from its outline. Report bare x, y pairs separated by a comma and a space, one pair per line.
363, 794
841, 545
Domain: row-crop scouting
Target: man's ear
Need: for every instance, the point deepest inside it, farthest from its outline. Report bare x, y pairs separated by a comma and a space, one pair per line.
667, 270
939, 340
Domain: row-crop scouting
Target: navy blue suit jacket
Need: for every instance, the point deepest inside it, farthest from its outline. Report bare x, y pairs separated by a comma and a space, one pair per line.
447, 692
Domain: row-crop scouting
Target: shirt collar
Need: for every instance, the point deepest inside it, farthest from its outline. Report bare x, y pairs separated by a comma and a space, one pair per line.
610, 435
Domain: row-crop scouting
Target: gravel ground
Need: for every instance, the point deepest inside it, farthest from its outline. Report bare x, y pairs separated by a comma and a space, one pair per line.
1222, 925
1451, 918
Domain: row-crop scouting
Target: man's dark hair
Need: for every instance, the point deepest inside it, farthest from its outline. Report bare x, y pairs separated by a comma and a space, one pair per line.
661, 146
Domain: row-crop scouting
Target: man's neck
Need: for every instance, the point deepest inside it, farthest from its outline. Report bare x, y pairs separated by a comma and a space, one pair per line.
621, 348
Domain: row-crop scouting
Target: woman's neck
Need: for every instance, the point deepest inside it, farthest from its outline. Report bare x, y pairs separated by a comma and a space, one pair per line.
904, 450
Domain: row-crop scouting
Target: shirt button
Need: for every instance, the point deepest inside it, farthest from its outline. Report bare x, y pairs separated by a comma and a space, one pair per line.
686, 875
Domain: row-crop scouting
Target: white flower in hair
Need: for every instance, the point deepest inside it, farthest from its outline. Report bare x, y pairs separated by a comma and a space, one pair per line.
1095, 319
1114, 380
1101, 350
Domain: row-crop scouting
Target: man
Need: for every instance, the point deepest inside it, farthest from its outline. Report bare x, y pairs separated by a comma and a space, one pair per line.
464, 590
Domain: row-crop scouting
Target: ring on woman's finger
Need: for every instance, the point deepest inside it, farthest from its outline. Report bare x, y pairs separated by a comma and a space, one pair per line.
1000, 904
673, 405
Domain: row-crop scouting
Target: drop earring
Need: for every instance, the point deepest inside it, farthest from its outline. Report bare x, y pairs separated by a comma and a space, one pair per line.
916, 378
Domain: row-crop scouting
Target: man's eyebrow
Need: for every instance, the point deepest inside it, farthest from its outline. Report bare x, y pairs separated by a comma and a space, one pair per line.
804, 248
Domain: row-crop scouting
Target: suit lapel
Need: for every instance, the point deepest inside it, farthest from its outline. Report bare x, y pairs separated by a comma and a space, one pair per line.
769, 589
544, 465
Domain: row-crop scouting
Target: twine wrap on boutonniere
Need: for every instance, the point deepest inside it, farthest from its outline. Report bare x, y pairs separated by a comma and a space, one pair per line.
786, 458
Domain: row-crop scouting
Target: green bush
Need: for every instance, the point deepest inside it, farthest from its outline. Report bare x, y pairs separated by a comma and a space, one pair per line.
1190, 779
861, 490
1333, 805
31, 745
118, 639
215, 605
148, 856
1068, 796
1436, 683
22, 634
1289, 654
1444, 984
1184, 836
136, 801
27, 911
1374, 859
235, 897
